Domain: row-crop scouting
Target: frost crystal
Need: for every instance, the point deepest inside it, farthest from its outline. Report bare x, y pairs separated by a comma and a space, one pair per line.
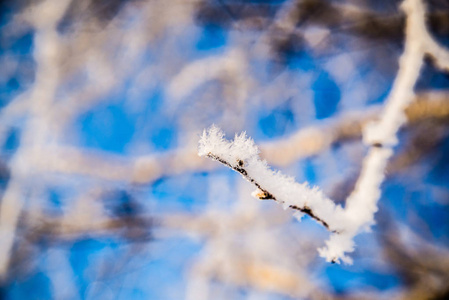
241, 150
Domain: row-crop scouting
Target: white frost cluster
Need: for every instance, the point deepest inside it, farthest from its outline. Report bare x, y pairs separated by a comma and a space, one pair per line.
241, 149
361, 206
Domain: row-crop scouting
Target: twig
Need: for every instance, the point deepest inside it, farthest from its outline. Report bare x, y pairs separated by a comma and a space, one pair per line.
264, 194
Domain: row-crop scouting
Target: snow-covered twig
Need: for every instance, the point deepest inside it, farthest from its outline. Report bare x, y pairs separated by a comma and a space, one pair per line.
241, 155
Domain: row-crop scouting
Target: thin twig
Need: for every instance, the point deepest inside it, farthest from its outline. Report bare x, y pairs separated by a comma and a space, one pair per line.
266, 195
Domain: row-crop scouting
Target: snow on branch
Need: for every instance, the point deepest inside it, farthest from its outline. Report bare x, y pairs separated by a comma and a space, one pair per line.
381, 136
242, 155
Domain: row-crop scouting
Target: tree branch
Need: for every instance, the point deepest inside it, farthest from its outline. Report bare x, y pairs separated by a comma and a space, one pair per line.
381, 136
264, 194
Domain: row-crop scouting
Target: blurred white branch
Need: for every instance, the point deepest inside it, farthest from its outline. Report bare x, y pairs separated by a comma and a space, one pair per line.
381, 136
46, 51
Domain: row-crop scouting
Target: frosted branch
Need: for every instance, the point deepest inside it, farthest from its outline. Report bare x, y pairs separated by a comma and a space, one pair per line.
381, 136
241, 155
